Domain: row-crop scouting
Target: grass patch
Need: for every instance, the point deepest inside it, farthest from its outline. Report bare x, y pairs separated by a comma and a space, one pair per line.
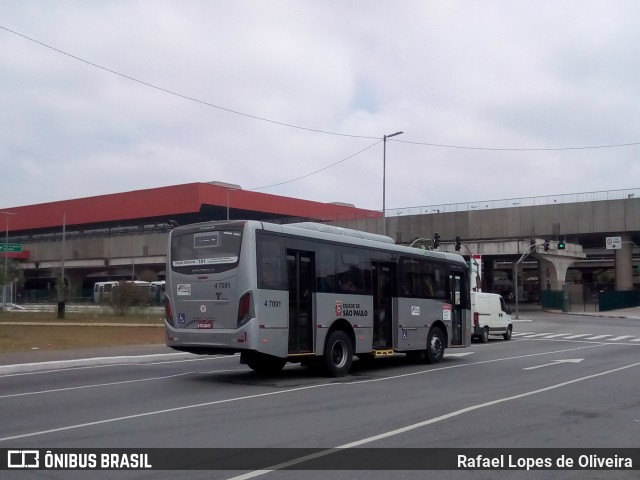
79, 330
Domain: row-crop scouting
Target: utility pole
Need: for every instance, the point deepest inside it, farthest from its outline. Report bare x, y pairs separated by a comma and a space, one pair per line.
6, 258
61, 288
384, 180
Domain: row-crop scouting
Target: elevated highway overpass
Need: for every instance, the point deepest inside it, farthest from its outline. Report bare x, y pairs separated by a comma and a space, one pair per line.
501, 231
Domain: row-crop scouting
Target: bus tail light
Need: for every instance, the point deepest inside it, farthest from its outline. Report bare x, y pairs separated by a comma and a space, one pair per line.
244, 309
168, 311
476, 319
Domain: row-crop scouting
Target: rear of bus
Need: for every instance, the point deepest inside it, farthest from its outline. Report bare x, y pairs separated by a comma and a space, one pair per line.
208, 301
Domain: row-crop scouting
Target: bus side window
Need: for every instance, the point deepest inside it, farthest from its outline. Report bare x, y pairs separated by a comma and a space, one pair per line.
270, 271
428, 286
407, 285
350, 273
326, 269
440, 282
408, 278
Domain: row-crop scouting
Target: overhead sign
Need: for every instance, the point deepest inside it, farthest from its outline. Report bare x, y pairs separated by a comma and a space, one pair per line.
614, 243
11, 247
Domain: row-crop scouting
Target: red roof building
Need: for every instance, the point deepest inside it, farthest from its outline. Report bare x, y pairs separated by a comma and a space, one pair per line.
123, 234
192, 201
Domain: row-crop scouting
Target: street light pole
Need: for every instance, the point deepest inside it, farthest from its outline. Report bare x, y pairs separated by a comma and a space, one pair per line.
61, 288
6, 255
384, 180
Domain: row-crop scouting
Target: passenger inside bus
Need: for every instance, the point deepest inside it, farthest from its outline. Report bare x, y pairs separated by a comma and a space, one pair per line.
428, 290
350, 281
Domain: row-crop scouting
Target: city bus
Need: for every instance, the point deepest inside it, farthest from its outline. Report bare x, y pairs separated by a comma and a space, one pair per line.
312, 294
156, 292
102, 291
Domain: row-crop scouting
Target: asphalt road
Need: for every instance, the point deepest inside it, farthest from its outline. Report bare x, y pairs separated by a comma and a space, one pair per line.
561, 382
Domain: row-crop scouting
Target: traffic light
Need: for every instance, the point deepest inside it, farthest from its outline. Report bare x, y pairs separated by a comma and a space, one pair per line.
561, 245
458, 245
546, 245
436, 240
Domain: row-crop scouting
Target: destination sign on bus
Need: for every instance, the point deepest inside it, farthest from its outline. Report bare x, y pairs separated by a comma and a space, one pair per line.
205, 261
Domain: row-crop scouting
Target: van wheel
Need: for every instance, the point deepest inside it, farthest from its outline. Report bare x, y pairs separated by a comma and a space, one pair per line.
484, 338
435, 345
338, 354
507, 334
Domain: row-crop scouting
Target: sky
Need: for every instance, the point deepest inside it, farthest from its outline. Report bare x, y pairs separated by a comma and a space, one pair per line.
495, 99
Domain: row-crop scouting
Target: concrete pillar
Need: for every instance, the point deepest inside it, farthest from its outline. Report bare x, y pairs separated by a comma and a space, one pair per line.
624, 264
544, 274
552, 271
74, 280
488, 272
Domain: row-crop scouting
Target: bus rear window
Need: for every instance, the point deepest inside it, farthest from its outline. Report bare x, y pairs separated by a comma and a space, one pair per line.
205, 252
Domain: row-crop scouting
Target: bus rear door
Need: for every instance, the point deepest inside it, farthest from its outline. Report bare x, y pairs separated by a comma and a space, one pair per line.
384, 279
459, 301
301, 276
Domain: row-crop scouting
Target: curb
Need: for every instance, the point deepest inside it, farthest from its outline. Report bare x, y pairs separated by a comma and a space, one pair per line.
87, 362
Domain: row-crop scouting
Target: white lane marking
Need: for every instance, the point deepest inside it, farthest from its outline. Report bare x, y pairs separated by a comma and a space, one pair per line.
110, 384
598, 337
424, 423
278, 392
78, 364
555, 362
621, 337
577, 336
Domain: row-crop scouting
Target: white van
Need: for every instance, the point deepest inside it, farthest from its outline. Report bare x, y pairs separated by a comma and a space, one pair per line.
491, 316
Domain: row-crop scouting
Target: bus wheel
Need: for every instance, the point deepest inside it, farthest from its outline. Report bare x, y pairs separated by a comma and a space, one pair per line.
264, 364
435, 345
338, 354
484, 338
507, 334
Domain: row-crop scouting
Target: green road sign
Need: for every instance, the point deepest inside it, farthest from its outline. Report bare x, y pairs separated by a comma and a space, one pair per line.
11, 247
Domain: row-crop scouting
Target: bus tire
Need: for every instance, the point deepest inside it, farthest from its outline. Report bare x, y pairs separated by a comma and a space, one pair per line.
435, 345
507, 334
338, 354
484, 338
265, 364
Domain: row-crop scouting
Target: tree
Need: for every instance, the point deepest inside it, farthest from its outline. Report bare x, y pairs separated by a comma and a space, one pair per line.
128, 295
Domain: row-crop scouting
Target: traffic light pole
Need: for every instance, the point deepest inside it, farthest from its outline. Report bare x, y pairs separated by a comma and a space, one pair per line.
515, 271
475, 262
